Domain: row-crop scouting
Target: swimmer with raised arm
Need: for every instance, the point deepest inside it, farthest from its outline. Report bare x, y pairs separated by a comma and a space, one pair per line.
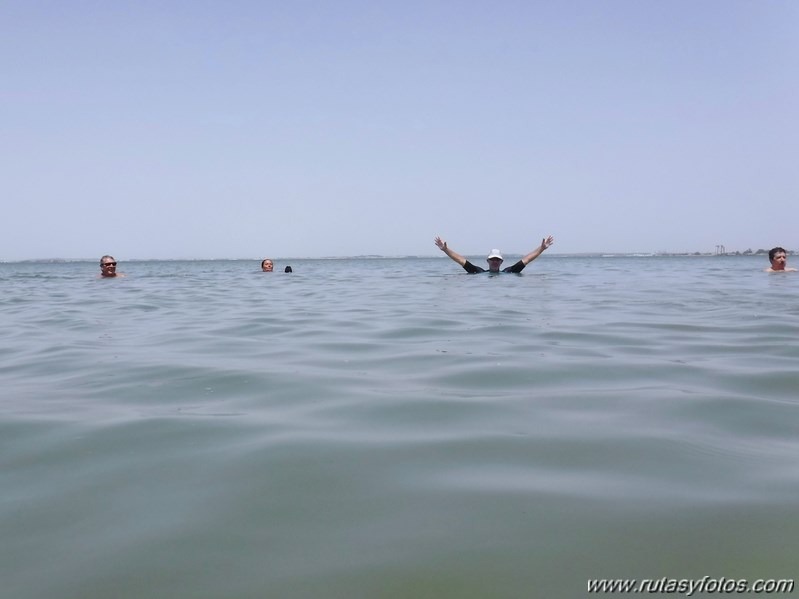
778, 258
495, 257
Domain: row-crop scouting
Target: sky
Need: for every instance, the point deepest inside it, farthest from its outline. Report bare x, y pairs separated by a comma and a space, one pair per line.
242, 129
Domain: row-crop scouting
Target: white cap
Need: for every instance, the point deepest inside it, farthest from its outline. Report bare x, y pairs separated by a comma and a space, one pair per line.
495, 254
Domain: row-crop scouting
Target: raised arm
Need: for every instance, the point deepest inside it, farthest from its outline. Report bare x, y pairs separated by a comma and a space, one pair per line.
545, 243
442, 245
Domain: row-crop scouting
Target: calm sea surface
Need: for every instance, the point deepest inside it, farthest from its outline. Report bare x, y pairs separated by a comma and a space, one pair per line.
395, 427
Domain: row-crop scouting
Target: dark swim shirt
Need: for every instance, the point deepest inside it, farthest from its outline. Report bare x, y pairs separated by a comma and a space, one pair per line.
473, 270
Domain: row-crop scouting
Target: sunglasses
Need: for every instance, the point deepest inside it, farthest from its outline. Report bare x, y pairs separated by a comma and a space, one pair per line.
108, 264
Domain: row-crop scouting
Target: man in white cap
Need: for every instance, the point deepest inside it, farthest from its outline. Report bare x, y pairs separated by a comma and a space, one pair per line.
495, 257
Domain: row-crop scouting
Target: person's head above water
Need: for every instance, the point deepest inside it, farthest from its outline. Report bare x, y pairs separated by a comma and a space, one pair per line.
494, 260
778, 258
108, 267
267, 266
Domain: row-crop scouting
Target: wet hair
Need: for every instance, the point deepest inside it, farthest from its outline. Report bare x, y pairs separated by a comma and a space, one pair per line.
107, 257
288, 269
774, 251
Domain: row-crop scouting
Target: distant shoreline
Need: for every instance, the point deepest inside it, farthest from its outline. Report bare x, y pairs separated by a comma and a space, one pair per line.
746, 253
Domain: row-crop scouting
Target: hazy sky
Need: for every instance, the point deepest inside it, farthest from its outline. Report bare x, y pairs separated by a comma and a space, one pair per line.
199, 129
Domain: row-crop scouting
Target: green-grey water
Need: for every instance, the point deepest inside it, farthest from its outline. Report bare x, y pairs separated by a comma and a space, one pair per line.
395, 427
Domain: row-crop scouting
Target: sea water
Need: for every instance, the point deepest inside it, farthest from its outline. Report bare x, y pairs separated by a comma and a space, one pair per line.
395, 427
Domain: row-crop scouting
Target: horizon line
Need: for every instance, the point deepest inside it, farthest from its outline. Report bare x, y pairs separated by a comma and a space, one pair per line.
597, 254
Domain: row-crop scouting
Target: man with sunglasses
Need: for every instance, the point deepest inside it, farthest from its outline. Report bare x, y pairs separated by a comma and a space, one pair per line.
108, 268
495, 257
